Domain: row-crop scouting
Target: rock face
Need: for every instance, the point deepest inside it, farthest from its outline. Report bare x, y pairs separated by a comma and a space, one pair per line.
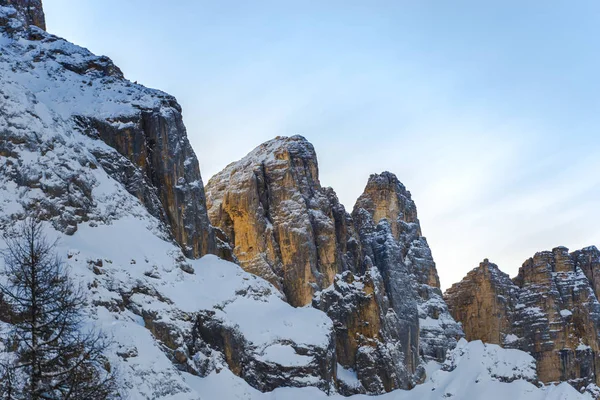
484, 303
106, 165
549, 310
282, 225
386, 217
167, 178
370, 337
371, 272
153, 158
30, 12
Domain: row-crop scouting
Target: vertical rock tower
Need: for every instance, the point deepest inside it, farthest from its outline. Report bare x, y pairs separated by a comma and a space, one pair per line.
280, 222
386, 217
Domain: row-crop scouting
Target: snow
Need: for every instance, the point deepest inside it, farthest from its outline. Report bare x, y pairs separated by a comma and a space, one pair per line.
128, 250
285, 356
347, 376
216, 284
469, 379
565, 313
511, 338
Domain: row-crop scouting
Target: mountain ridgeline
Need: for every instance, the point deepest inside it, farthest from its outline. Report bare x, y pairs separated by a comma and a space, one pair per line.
261, 278
550, 310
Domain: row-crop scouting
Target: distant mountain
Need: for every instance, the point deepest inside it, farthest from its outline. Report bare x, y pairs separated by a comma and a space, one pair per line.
550, 310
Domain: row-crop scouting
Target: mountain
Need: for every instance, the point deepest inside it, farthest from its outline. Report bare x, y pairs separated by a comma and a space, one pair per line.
323, 302
106, 163
372, 272
550, 310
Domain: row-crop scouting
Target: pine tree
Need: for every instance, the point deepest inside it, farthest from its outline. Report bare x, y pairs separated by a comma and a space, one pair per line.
52, 356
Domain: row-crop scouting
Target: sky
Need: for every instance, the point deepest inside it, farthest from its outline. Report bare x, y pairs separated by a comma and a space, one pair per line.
488, 112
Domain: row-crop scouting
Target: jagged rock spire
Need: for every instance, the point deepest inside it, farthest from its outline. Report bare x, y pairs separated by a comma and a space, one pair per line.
281, 223
370, 268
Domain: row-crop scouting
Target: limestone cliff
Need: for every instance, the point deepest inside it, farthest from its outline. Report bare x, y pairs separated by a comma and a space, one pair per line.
281, 223
371, 272
153, 158
484, 303
106, 163
286, 228
386, 217
166, 177
549, 310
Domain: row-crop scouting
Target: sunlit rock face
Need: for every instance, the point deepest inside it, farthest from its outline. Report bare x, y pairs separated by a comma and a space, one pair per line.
549, 310
282, 225
371, 272
106, 165
484, 303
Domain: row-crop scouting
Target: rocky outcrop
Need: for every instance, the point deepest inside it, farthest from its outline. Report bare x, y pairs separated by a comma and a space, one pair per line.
382, 251
386, 217
154, 140
286, 228
264, 371
282, 225
370, 337
549, 310
106, 163
30, 12
371, 272
148, 151
484, 303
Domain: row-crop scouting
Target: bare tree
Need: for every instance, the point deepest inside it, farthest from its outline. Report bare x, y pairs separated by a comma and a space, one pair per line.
52, 357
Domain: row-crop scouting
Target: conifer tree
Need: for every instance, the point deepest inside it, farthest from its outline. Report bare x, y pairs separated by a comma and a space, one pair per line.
52, 355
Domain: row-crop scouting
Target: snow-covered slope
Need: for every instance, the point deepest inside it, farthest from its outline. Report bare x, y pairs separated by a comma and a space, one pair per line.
150, 305
165, 312
473, 371
182, 329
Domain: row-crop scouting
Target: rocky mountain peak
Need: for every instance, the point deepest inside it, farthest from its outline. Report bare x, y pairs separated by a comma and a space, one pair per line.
106, 164
481, 303
385, 197
371, 272
280, 222
29, 12
550, 309
136, 134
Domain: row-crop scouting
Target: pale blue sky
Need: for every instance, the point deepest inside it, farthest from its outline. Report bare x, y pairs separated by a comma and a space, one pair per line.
488, 113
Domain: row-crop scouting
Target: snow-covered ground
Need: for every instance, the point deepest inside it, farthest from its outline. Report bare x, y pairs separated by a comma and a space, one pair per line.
134, 257
473, 371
